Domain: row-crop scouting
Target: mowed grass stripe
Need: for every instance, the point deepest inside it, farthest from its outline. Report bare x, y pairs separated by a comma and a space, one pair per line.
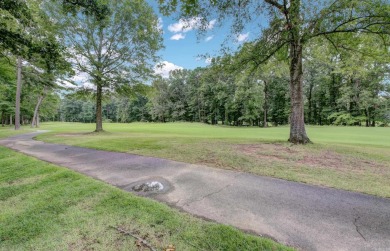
373, 136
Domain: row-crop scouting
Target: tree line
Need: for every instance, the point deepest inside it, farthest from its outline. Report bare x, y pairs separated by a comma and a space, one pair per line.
340, 88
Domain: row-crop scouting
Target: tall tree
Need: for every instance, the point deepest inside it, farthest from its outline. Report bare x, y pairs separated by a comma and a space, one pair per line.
18, 93
292, 23
116, 49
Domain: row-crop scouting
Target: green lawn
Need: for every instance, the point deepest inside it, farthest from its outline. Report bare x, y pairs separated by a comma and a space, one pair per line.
46, 207
8, 131
377, 136
350, 158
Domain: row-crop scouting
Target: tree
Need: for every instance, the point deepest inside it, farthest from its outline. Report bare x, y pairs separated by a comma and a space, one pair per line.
293, 23
115, 50
161, 100
46, 55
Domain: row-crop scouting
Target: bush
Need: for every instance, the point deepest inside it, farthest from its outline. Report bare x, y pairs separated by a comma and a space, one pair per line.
343, 118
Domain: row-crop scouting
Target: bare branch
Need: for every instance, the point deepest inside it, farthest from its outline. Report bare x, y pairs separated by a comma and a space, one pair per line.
275, 4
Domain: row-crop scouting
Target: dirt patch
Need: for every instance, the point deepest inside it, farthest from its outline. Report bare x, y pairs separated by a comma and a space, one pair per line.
269, 151
296, 155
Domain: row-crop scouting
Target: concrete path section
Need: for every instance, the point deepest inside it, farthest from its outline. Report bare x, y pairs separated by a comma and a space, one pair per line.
303, 216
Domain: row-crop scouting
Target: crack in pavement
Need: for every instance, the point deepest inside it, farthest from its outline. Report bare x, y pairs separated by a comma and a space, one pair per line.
357, 228
208, 195
212, 193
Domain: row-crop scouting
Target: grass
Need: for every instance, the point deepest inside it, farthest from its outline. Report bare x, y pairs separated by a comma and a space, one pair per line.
46, 207
350, 158
8, 131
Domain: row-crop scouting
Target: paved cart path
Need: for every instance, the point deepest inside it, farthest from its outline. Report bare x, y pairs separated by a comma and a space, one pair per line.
303, 216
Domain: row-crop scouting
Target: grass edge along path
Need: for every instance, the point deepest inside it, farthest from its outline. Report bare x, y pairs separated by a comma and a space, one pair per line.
47, 207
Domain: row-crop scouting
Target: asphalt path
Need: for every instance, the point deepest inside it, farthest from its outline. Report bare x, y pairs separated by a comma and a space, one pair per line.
299, 215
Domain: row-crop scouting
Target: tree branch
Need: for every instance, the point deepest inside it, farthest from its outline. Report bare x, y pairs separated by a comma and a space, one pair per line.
275, 4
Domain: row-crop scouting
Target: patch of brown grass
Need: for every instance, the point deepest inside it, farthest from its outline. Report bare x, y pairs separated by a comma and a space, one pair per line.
315, 158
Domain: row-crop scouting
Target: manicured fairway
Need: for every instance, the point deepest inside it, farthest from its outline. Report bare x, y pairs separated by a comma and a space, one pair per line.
45, 207
350, 158
378, 136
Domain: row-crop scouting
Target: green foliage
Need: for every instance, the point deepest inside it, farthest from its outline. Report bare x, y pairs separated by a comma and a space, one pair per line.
15, 17
96, 8
223, 93
345, 119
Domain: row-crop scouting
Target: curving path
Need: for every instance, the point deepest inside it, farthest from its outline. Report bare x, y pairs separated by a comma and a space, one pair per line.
303, 216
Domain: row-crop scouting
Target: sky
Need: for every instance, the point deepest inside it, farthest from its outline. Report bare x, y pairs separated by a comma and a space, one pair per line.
186, 49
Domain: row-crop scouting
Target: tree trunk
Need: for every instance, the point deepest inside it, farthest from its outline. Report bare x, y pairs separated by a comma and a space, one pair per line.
297, 124
2, 119
38, 119
226, 114
199, 113
18, 93
265, 106
367, 118
333, 91
99, 120
309, 100
35, 119
10, 119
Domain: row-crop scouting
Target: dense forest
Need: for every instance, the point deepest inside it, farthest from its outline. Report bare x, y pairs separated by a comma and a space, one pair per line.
346, 78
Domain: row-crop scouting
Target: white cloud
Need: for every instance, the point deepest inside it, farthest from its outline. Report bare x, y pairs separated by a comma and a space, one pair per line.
209, 38
65, 84
242, 37
89, 86
186, 25
165, 67
211, 24
160, 23
208, 60
178, 36
80, 77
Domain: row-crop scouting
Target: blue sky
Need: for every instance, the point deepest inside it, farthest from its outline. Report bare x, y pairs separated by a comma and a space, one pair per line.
184, 47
